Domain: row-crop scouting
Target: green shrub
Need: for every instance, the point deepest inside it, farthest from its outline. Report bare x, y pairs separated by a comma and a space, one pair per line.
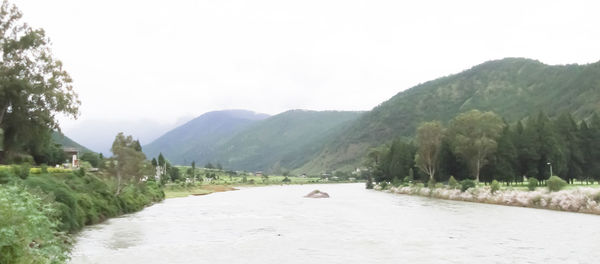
466, 184
532, 183
495, 186
396, 182
35, 171
369, 184
453, 183
44, 168
439, 185
29, 232
383, 185
5, 176
555, 183
22, 171
286, 180
431, 183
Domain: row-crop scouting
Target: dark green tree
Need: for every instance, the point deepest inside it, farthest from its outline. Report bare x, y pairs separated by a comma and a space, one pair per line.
570, 144
34, 88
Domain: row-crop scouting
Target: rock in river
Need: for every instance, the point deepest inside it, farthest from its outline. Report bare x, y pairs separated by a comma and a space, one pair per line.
317, 194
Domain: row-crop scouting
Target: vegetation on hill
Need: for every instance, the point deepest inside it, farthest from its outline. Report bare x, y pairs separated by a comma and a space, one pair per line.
282, 142
480, 146
65, 141
198, 139
513, 88
276, 144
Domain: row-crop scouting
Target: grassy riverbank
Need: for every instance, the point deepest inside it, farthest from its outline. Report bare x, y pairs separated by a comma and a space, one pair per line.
174, 190
38, 211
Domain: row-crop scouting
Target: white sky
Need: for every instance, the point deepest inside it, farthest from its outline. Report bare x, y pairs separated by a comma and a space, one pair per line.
162, 60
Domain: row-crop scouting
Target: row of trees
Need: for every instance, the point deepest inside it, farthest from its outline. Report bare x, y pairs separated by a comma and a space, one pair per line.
481, 146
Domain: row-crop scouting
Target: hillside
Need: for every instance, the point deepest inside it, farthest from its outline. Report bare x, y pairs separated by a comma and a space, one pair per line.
67, 142
511, 87
198, 139
284, 141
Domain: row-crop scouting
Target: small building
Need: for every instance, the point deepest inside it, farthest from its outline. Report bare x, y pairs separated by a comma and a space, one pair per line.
258, 174
72, 156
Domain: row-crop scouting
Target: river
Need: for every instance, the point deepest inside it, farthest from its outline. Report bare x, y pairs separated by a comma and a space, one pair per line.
275, 224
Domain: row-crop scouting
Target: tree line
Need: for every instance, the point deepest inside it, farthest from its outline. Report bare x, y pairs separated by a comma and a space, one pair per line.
484, 147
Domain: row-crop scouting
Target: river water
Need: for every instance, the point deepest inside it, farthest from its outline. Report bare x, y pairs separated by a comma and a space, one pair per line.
275, 224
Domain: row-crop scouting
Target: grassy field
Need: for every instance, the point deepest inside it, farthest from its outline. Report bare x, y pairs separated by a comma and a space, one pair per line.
174, 190
523, 186
226, 183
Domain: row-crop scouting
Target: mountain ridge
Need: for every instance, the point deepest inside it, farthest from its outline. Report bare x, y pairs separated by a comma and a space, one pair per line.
511, 87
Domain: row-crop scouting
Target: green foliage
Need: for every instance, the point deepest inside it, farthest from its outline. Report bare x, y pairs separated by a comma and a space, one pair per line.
431, 183
286, 180
92, 158
22, 171
28, 229
369, 184
512, 87
396, 182
35, 87
383, 185
555, 183
453, 183
44, 168
82, 200
129, 160
429, 141
495, 186
466, 184
245, 140
532, 184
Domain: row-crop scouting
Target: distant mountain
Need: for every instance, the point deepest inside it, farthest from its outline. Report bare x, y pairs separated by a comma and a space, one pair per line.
512, 87
282, 142
199, 139
99, 134
65, 141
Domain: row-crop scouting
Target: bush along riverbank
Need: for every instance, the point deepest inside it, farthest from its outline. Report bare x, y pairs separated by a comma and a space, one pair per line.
581, 200
39, 211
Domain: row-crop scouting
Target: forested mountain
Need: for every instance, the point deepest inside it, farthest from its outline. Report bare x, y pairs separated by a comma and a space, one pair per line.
65, 141
513, 88
284, 141
199, 139
243, 140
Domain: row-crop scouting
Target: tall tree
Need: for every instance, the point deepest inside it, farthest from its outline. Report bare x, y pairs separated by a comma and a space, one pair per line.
34, 88
570, 140
474, 135
429, 141
193, 170
129, 161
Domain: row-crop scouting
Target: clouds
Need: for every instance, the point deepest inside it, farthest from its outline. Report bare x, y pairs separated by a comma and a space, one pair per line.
164, 59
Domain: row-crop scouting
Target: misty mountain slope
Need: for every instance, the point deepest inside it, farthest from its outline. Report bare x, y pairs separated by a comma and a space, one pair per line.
198, 139
512, 87
284, 141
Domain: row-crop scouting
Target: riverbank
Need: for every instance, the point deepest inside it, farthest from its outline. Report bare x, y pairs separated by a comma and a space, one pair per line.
580, 200
39, 212
174, 190
204, 189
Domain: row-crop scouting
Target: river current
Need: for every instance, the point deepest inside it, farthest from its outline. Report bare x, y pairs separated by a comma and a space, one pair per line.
276, 224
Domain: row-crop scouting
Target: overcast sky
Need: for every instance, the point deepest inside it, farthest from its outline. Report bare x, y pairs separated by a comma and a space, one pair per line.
162, 60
